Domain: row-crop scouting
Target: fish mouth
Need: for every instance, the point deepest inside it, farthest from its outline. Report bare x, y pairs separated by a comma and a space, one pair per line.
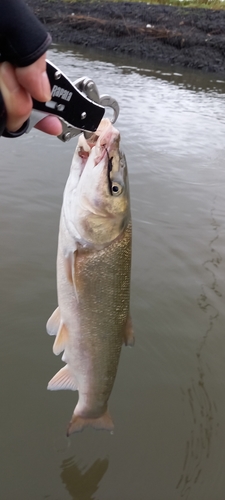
104, 139
85, 146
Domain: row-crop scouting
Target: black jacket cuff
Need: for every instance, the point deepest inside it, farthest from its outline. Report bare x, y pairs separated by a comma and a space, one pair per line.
23, 39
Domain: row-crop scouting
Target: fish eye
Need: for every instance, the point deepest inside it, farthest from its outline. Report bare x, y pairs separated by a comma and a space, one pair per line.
116, 189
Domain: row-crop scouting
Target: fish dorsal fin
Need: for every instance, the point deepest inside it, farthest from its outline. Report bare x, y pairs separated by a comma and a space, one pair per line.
129, 339
61, 339
62, 381
53, 323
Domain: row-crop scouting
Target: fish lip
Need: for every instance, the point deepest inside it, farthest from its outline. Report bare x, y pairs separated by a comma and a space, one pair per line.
102, 142
84, 155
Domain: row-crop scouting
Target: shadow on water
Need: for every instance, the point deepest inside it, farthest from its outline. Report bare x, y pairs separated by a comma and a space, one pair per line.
198, 396
82, 482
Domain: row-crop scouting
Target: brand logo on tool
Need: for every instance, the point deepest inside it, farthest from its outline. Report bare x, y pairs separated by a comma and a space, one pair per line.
60, 92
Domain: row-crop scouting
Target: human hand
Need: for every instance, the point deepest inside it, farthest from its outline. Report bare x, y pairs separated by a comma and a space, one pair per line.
17, 86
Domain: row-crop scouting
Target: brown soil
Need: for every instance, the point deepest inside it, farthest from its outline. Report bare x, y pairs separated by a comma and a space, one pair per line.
194, 38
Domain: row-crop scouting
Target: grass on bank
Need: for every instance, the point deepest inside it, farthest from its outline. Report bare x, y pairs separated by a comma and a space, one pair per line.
204, 4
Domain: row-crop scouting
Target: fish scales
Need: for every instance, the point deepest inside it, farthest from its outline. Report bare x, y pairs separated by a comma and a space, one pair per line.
104, 302
107, 294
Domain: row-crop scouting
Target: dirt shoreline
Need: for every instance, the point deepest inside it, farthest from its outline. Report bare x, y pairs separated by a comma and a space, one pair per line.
193, 38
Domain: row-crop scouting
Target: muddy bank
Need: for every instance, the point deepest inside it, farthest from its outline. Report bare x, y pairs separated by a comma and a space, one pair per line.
193, 38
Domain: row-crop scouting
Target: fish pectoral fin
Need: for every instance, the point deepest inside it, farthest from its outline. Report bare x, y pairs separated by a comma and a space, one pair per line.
61, 339
129, 338
78, 423
62, 381
53, 323
69, 262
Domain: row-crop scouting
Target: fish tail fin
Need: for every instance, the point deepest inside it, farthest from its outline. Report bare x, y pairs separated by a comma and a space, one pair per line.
77, 423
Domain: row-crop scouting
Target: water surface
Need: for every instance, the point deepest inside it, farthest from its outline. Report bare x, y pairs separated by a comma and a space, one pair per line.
168, 401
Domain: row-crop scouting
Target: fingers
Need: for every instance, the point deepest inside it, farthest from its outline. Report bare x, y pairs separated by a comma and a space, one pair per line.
17, 85
17, 100
50, 125
34, 79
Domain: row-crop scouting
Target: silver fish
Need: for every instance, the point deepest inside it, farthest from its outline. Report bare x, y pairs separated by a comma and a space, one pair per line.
93, 277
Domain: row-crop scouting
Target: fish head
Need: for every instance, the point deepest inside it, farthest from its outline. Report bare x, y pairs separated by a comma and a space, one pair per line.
99, 204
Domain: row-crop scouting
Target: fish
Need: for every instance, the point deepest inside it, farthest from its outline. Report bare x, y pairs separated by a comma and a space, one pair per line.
92, 320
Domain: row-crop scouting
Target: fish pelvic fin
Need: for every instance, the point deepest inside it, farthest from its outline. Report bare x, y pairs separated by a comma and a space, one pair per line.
129, 339
78, 423
53, 323
61, 339
62, 381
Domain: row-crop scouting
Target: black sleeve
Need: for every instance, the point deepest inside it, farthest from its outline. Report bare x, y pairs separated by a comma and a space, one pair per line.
23, 39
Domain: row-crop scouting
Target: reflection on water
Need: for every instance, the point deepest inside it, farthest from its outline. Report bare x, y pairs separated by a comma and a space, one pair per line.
82, 482
199, 396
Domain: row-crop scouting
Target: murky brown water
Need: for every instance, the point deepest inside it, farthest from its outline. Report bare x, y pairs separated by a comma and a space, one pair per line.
168, 401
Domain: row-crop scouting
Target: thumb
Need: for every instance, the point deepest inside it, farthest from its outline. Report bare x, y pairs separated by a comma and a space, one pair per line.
35, 80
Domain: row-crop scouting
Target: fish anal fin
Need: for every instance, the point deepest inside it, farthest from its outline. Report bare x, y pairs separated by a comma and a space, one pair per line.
53, 323
62, 381
129, 338
78, 423
61, 339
